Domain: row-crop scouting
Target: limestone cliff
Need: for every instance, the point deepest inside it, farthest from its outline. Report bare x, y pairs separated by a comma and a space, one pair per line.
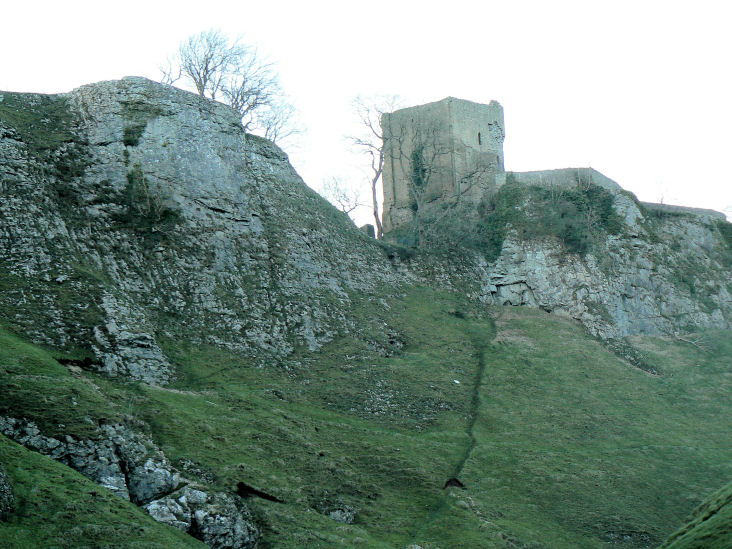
133, 212
660, 270
656, 276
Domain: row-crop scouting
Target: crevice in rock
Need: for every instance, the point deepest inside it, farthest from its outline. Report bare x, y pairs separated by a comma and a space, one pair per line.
174, 488
454, 483
86, 362
212, 208
245, 491
123, 467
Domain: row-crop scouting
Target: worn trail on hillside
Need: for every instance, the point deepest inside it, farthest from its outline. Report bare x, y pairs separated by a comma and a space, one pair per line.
474, 405
480, 346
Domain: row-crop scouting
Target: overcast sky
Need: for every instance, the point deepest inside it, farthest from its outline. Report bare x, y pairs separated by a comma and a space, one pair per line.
638, 90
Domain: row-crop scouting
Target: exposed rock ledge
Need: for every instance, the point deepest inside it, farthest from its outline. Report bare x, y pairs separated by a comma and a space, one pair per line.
7, 501
132, 467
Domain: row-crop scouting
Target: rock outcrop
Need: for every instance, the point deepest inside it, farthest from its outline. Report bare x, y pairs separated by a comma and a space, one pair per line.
665, 271
7, 501
134, 211
219, 520
120, 459
661, 285
137, 215
131, 466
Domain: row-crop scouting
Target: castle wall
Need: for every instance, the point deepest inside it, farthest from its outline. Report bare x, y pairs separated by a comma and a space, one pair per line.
402, 131
671, 209
565, 178
477, 133
463, 151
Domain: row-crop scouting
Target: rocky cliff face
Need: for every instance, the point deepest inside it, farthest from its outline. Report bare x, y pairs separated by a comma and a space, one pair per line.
663, 271
134, 213
664, 282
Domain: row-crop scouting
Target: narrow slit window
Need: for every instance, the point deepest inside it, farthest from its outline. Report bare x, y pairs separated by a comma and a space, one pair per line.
479, 142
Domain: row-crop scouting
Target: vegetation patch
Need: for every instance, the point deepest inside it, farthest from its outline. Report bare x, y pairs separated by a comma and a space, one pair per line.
49, 129
147, 207
556, 442
37, 387
131, 134
73, 294
43, 122
578, 217
627, 351
136, 115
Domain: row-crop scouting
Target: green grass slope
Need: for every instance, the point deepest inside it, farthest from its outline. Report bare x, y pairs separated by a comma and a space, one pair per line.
557, 441
710, 526
56, 507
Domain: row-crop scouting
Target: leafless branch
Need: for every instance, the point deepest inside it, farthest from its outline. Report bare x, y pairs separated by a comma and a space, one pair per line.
344, 197
214, 67
370, 142
171, 72
278, 121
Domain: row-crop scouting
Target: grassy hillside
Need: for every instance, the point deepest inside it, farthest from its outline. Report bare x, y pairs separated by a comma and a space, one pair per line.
710, 526
57, 507
556, 441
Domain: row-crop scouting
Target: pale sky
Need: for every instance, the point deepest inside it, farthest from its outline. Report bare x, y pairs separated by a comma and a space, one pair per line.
639, 90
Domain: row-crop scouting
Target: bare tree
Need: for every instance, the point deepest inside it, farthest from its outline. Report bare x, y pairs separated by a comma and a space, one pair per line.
216, 67
207, 59
250, 87
371, 142
344, 197
278, 121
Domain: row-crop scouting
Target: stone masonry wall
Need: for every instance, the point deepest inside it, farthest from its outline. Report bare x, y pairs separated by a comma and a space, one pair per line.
464, 144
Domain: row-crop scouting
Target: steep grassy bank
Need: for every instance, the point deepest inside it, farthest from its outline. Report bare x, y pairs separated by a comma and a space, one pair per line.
557, 442
710, 526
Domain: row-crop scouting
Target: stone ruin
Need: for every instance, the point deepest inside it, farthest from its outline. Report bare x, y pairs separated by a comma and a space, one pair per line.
456, 148
459, 143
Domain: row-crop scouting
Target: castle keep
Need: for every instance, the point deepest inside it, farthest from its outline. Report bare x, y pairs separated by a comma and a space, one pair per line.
450, 153
440, 154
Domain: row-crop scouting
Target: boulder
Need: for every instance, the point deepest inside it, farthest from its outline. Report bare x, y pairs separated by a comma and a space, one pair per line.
219, 520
